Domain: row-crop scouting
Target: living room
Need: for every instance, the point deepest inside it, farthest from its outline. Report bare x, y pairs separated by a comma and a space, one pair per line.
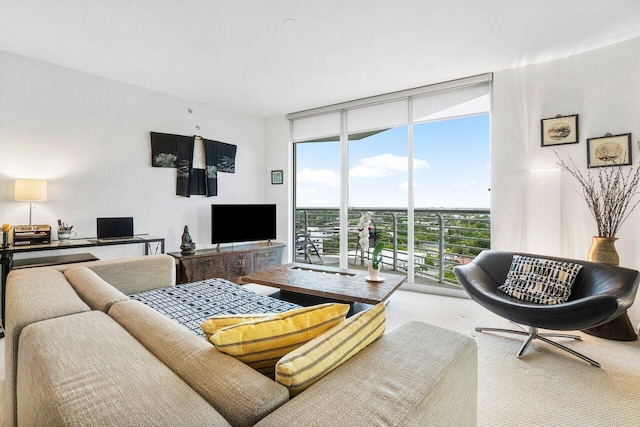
86, 131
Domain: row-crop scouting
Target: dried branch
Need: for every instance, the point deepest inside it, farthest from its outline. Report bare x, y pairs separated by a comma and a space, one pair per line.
610, 195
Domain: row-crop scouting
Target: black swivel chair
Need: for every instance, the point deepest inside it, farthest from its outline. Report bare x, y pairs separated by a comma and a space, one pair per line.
600, 293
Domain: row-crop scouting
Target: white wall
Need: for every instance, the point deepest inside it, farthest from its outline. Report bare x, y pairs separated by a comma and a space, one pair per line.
603, 87
89, 138
280, 157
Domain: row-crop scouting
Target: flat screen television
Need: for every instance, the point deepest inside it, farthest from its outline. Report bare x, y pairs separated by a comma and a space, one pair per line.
242, 223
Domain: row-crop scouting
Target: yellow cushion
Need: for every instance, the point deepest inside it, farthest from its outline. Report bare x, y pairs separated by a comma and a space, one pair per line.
212, 324
310, 362
262, 342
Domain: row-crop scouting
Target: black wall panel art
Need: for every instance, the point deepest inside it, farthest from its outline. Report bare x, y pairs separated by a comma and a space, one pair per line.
177, 151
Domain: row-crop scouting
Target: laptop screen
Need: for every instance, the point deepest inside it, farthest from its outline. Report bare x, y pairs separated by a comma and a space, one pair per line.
113, 228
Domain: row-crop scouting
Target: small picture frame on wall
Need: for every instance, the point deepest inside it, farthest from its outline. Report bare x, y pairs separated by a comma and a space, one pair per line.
609, 150
276, 177
559, 130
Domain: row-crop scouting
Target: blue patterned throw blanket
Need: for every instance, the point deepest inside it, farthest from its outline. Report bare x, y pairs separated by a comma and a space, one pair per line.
191, 303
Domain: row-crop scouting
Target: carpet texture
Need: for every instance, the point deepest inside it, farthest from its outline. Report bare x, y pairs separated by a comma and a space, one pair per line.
547, 387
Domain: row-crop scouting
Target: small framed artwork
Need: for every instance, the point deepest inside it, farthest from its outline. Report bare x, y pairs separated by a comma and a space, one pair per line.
560, 130
276, 177
609, 150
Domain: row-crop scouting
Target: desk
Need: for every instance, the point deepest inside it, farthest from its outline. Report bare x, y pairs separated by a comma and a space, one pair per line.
6, 254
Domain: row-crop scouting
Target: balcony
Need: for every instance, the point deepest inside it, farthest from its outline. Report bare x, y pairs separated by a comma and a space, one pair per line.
444, 238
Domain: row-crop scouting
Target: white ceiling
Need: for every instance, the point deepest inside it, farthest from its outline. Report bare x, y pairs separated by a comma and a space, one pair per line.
272, 57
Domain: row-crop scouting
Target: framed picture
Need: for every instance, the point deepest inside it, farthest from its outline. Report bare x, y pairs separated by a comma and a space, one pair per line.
276, 177
609, 150
559, 130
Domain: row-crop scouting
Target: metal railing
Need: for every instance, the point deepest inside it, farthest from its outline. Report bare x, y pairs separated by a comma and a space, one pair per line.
443, 238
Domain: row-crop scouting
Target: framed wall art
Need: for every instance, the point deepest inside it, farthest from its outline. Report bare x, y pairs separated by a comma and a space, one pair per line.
276, 177
559, 130
609, 150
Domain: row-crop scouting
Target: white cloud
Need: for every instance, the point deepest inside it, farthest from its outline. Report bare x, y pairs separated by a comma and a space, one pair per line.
327, 177
405, 185
384, 165
465, 184
362, 171
304, 191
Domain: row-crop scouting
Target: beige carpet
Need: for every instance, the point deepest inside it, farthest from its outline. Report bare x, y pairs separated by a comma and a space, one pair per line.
545, 388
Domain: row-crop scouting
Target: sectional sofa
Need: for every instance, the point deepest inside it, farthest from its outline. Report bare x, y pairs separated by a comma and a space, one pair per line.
79, 352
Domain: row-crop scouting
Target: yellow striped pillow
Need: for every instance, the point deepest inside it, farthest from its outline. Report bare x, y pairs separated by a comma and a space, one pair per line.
310, 362
261, 343
212, 324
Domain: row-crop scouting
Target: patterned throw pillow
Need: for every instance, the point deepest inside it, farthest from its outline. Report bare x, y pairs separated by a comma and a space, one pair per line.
539, 280
315, 359
260, 343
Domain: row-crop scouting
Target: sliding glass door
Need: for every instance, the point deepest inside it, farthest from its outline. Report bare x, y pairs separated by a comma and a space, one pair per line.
317, 197
378, 166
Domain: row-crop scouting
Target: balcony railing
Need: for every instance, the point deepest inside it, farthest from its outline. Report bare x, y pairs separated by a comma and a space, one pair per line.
443, 238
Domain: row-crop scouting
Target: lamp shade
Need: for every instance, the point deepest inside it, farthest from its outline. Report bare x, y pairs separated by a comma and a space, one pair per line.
31, 190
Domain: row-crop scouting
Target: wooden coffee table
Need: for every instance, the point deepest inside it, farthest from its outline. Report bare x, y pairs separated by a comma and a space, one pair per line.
329, 283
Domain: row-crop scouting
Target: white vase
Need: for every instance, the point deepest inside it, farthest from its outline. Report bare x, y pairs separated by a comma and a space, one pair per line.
374, 273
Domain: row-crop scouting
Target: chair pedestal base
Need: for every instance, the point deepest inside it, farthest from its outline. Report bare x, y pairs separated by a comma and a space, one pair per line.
619, 329
532, 334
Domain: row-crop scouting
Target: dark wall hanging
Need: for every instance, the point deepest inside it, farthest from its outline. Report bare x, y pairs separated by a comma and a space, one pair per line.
211, 160
177, 151
226, 157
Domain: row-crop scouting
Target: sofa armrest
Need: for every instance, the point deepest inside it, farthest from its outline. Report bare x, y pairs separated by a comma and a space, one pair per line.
84, 369
32, 295
415, 375
131, 275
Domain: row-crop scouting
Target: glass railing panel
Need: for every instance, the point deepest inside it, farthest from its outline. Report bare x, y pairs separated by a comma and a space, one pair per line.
443, 238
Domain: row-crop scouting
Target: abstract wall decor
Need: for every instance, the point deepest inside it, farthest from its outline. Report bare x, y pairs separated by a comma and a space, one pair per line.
177, 151
276, 177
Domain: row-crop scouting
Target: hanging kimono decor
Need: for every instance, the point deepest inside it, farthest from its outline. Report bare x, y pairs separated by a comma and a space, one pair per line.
197, 161
226, 157
211, 160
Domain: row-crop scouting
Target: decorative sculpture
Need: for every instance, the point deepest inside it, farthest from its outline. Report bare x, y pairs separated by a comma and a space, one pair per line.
187, 246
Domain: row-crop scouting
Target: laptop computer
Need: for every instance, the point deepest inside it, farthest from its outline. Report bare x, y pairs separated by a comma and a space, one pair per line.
115, 228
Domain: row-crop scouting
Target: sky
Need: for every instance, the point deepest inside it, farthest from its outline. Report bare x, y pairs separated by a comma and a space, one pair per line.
451, 167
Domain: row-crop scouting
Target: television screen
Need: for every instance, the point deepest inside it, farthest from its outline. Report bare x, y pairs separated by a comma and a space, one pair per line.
242, 223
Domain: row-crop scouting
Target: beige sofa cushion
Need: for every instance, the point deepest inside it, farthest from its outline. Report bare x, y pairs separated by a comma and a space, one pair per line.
415, 375
85, 369
97, 293
32, 294
239, 393
131, 275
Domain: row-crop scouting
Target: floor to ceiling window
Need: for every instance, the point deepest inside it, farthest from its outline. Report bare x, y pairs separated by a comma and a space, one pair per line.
418, 160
